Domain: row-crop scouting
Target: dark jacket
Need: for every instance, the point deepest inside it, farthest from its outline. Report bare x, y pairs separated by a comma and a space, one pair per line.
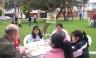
78, 45
29, 19
7, 49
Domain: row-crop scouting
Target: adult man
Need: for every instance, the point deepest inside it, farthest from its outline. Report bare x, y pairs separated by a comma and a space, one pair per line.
94, 17
7, 49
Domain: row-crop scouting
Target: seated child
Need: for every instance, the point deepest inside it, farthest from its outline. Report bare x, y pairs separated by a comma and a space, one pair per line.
61, 47
80, 42
35, 35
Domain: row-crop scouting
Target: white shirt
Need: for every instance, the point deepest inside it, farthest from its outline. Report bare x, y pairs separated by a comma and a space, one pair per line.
34, 16
66, 33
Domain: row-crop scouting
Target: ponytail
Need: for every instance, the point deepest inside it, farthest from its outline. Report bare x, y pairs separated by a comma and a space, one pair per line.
85, 38
68, 50
61, 42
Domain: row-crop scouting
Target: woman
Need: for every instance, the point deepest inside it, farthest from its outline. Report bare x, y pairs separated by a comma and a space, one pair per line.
59, 29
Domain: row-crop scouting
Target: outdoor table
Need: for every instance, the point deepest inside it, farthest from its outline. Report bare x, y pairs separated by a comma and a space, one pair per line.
37, 49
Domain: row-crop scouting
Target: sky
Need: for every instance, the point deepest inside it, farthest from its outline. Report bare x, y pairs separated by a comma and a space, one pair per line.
92, 0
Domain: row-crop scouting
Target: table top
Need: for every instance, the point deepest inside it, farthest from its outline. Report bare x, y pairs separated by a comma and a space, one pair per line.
38, 48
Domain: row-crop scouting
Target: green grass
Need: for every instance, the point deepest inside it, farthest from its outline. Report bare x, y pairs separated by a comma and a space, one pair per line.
69, 26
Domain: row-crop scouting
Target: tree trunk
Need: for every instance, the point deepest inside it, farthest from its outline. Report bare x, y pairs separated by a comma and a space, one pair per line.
49, 9
45, 28
59, 12
47, 24
83, 11
64, 13
21, 12
71, 12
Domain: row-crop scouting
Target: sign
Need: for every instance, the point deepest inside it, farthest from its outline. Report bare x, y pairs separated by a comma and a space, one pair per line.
51, 17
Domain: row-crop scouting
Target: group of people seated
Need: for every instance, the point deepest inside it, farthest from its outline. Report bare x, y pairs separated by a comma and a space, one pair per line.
63, 46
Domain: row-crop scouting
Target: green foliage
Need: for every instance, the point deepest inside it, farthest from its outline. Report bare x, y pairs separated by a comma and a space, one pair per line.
0, 12
26, 10
8, 4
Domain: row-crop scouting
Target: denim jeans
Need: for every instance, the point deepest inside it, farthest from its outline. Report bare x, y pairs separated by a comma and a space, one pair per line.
29, 23
95, 23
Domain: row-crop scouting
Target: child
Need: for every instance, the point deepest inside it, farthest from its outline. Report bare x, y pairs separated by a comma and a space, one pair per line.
80, 40
68, 17
61, 48
19, 23
36, 34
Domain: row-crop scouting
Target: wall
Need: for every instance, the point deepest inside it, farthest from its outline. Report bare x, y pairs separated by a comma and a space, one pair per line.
32, 15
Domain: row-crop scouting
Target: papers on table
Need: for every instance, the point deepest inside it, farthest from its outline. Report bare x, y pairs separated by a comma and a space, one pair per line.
38, 48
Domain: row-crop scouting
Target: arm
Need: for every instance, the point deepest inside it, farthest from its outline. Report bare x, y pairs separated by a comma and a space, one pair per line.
30, 38
80, 46
66, 33
10, 52
54, 32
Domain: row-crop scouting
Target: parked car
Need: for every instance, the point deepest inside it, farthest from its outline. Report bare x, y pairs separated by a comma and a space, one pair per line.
4, 18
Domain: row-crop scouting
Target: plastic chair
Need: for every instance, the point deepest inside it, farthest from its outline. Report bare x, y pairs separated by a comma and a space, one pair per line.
89, 40
90, 21
26, 39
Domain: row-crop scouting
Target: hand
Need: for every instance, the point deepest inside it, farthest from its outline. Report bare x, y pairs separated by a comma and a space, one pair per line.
17, 49
36, 40
22, 50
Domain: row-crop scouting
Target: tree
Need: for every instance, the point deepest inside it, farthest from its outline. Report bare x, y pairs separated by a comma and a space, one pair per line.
48, 6
26, 10
0, 12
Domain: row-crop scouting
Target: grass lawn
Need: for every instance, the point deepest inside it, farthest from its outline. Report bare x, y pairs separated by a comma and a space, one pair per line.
69, 26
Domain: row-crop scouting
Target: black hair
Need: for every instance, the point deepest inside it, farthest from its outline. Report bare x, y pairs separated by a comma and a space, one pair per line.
59, 24
57, 40
81, 35
10, 31
33, 34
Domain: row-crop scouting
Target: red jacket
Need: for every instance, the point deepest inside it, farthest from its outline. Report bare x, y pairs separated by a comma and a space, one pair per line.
94, 16
17, 43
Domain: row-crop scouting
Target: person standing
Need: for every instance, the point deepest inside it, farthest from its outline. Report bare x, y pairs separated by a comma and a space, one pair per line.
80, 16
12, 19
68, 17
7, 48
16, 19
29, 21
19, 23
35, 19
94, 17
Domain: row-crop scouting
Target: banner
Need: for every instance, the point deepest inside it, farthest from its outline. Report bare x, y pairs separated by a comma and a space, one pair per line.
51, 17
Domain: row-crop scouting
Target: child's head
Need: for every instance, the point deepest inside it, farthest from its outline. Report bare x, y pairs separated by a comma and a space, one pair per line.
79, 35
59, 27
36, 31
58, 41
